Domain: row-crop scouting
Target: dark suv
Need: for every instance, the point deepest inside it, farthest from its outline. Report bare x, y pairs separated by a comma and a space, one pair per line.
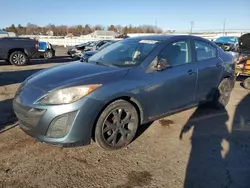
127, 84
17, 50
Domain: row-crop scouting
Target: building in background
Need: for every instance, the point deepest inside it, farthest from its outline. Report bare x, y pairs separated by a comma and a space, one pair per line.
7, 34
11, 34
101, 34
50, 33
3, 33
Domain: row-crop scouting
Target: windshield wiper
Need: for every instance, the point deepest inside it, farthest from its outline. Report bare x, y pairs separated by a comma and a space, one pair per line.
100, 63
105, 64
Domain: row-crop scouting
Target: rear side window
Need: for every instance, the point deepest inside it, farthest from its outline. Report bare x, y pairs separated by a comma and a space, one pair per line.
204, 51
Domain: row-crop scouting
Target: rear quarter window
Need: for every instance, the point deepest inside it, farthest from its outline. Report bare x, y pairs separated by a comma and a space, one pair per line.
204, 50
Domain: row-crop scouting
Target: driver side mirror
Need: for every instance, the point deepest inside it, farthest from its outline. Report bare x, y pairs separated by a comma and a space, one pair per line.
160, 64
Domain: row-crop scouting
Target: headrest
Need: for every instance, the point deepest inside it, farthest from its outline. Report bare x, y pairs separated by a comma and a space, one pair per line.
174, 49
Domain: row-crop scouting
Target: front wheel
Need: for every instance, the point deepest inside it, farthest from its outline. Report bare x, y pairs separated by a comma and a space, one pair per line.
223, 93
246, 83
117, 125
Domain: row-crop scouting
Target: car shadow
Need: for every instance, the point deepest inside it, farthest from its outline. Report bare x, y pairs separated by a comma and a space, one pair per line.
141, 129
57, 59
39, 61
241, 80
219, 155
7, 116
14, 77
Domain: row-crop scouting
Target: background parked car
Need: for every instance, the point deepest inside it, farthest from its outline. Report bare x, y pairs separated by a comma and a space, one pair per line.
46, 50
228, 43
77, 51
132, 82
17, 50
86, 55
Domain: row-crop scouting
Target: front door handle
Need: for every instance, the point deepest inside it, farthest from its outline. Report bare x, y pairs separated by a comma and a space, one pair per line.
191, 72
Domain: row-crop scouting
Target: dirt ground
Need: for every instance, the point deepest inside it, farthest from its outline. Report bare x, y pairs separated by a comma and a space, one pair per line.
197, 148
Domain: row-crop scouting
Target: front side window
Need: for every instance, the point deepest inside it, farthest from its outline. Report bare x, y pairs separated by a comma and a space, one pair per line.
204, 51
126, 53
176, 53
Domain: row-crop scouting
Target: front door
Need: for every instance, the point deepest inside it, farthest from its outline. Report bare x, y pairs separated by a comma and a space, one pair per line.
173, 87
209, 70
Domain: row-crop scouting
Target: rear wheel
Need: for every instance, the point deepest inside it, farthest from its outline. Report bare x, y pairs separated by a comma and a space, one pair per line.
223, 93
246, 83
48, 54
18, 58
117, 125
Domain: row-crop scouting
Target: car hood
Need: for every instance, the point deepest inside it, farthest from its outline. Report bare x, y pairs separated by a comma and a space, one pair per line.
73, 74
244, 42
89, 53
225, 43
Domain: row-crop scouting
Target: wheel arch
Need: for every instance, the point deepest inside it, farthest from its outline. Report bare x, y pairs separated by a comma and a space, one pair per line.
16, 50
132, 100
231, 78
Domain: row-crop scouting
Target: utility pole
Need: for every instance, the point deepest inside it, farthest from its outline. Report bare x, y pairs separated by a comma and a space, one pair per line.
155, 25
191, 27
224, 27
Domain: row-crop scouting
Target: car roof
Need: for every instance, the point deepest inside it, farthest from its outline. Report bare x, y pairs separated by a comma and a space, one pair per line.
228, 36
163, 37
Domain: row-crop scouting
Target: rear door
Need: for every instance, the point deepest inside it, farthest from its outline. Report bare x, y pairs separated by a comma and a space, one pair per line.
3, 48
209, 69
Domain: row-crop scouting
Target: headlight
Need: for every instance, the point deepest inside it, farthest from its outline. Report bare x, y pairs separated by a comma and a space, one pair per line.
68, 95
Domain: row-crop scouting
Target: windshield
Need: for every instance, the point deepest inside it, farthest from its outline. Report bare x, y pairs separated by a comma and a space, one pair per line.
129, 52
92, 44
106, 45
226, 39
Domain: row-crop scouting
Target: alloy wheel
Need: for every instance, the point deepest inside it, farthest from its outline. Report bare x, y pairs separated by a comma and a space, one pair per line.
225, 92
119, 127
18, 59
48, 55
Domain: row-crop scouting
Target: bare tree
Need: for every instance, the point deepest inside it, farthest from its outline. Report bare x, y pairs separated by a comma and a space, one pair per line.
78, 30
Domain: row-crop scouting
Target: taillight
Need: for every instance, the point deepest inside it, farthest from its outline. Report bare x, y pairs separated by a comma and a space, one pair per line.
37, 45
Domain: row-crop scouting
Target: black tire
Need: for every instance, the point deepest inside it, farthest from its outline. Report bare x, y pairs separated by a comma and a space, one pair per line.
117, 125
48, 54
246, 83
18, 58
223, 93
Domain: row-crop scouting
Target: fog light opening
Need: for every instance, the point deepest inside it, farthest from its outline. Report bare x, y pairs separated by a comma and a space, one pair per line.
60, 126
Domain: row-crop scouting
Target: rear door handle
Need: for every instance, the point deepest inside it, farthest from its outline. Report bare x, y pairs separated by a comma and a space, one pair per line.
218, 64
191, 72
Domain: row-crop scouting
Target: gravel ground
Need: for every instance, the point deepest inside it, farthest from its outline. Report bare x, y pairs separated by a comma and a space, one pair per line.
197, 148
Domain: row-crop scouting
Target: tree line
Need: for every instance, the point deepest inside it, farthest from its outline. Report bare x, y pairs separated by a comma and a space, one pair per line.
77, 30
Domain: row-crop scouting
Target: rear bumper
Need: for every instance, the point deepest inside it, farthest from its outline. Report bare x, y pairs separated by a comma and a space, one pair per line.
36, 55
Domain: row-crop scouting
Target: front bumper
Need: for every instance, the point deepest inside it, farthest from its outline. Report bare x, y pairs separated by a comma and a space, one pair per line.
74, 53
80, 117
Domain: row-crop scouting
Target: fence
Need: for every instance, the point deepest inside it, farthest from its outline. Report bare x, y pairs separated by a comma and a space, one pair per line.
62, 41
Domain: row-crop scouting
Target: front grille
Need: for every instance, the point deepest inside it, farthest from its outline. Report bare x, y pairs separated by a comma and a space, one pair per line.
28, 117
